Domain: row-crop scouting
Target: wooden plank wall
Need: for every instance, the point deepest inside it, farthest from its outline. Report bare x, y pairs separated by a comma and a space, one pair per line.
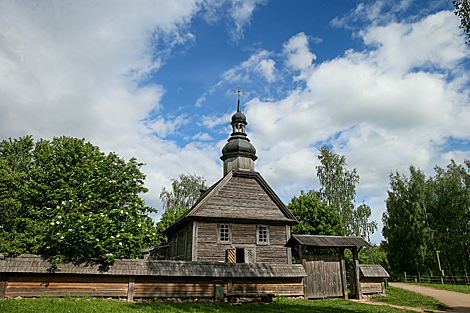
130, 287
372, 285
280, 287
33, 285
323, 276
243, 235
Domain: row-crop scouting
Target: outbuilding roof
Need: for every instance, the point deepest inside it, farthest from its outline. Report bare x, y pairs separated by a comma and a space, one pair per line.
28, 263
320, 241
373, 270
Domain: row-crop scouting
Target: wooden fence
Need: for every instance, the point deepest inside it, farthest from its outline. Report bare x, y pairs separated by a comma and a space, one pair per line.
33, 276
448, 280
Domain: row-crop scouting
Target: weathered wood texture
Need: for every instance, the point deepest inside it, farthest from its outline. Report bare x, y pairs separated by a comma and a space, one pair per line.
238, 195
242, 198
36, 285
243, 236
3, 285
280, 287
30, 264
141, 286
323, 276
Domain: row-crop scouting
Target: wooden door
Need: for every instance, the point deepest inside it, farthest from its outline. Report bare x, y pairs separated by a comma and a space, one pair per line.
323, 276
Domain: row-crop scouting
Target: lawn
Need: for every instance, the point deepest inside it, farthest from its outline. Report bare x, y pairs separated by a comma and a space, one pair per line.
72, 305
458, 288
403, 297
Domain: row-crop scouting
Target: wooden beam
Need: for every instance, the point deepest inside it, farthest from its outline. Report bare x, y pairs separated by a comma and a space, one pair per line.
342, 266
130, 289
194, 243
3, 285
289, 250
229, 285
356, 273
185, 242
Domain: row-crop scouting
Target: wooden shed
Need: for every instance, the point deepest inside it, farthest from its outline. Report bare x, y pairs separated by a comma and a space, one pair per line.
372, 278
326, 274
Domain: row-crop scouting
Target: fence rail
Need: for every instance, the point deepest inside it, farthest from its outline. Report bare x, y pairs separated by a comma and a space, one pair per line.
448, 280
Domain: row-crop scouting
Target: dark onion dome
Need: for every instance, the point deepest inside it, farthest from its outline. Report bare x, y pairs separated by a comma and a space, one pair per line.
238, 145
239, 117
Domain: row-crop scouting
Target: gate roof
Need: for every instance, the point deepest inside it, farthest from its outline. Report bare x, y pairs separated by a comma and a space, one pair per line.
320, 241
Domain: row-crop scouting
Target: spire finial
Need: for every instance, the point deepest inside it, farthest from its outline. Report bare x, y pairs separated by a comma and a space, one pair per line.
238, 90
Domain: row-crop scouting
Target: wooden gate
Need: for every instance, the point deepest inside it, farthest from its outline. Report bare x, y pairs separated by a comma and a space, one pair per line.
323, 276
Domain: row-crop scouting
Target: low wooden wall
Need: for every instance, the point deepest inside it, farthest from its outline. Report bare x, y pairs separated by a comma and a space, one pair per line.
39, 285
34, 276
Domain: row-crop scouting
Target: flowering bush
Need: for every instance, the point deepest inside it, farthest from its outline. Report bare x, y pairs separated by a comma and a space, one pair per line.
81, 202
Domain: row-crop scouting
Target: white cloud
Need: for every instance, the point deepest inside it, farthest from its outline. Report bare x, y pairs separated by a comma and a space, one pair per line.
297, 52
266, 67
384, 108
202, 137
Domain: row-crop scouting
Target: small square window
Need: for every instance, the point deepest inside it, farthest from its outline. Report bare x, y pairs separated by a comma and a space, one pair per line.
224, 233
263, 234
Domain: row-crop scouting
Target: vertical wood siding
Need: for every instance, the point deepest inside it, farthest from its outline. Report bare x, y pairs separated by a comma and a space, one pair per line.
323, 276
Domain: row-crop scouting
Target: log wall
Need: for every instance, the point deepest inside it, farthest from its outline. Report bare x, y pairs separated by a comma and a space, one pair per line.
39, 285
243, 235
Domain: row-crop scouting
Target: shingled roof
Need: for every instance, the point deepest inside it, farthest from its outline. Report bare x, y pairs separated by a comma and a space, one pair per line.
239, 195
373, 270
319, 241
28, 263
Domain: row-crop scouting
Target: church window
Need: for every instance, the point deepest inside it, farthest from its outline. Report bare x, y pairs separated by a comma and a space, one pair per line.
224, 233
263, 235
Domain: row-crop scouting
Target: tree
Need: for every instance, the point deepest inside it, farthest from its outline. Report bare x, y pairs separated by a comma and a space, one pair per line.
462, 10
71, 201
338, 190
406, 222
183, 195
315, 218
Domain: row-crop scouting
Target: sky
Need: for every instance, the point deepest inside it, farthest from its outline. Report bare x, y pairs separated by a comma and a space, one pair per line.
384, 83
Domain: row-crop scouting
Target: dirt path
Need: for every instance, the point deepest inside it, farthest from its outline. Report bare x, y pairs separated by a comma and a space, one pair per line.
457, 302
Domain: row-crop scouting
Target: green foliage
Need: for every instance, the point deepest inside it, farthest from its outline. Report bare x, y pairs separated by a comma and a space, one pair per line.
339, 191
429, 215
374, 255
462, 10
315, 217
71, 201
183, 194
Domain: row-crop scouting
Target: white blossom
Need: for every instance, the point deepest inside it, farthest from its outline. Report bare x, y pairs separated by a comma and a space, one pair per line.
120, 243
117, 236
59, 216
112, 237
57, 222
97, 239
70, 229
62, 237
138, 225
52, 223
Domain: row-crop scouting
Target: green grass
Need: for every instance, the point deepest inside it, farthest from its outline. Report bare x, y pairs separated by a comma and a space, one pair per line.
72, 305
457, 288
403, 297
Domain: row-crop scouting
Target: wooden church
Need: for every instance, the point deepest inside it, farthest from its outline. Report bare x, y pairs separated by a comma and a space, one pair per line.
239, 219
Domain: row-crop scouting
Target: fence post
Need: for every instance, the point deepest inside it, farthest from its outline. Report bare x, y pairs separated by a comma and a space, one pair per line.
405, 277
419, 278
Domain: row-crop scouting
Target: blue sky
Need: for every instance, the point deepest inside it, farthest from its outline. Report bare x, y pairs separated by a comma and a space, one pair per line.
383, 82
